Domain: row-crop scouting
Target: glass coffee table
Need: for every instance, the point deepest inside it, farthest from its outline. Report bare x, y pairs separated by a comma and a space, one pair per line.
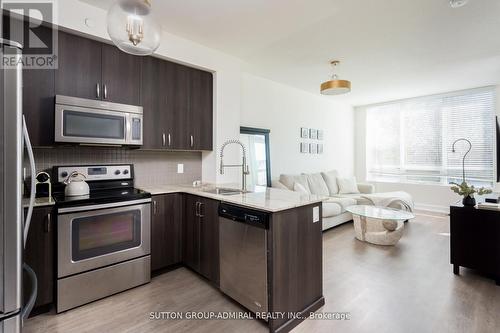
379, 225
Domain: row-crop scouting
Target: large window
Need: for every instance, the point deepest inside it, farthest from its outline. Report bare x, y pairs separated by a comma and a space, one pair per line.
411, 140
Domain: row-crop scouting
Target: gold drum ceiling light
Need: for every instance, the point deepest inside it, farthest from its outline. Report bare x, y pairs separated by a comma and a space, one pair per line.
335, 86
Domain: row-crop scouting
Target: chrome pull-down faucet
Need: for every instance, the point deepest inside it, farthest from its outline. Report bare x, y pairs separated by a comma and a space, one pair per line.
244, 167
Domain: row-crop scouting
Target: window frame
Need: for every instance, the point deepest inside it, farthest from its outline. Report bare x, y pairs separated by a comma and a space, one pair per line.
265, 132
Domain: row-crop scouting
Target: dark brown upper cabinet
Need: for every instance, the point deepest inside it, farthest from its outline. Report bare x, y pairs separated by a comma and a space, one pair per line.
79, 73
38, 84
158, 97
200, 110
151, 103
94, 70
38, 101
121, 76
178, 106
169, 92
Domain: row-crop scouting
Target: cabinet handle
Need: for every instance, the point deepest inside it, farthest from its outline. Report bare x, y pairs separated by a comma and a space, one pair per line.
105, 92
169, 140
197, 209
47, 223
192, 141
163, 139
98, 90
155, 207
201, 205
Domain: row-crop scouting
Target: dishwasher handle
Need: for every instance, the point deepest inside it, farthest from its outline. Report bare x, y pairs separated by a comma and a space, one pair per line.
244, 215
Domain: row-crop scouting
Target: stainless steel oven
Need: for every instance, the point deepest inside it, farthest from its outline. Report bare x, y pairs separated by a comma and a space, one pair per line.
103, 249
92, 122
95, 236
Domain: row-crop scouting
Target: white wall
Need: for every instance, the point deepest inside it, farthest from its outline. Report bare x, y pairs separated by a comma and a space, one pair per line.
284, 110
72, 15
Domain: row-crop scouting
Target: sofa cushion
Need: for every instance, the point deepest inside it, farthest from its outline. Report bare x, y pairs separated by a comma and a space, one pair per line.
317, 184
347, 185
290, 180
331, 209
300, 188
342, 202
330, 179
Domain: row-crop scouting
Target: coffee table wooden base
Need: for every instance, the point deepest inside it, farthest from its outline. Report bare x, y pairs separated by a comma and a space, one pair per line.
376, 231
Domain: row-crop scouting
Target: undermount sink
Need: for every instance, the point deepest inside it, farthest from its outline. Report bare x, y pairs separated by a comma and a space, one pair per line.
224, 191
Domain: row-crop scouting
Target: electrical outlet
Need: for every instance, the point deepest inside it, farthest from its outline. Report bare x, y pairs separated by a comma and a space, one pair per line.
315, 214
180, 168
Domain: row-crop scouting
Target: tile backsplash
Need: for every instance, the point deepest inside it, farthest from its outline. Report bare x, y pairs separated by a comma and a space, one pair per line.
151, 167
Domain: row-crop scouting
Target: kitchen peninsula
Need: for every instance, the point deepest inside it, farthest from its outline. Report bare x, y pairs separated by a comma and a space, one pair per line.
293, 243
185, 230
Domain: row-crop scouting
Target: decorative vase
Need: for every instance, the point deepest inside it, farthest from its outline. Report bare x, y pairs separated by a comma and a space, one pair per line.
469, 201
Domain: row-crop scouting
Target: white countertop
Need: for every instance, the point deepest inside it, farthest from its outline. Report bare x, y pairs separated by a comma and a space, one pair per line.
262, 198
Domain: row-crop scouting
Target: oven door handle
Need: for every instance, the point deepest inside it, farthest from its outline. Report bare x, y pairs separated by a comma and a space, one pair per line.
102, 206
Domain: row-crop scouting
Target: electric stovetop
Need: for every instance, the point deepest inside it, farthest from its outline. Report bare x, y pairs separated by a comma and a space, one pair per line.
97, 197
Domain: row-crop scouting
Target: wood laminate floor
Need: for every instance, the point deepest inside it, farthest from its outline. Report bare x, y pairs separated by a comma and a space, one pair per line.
406, 288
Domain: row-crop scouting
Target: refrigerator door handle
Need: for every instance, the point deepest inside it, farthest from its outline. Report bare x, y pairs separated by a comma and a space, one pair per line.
33, 173
34, 290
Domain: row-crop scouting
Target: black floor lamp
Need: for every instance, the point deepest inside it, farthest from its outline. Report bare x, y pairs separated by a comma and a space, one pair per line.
465, 155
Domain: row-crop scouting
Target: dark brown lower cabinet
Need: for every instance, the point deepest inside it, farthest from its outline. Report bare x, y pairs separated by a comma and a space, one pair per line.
201, 236
295, 265
166, 231
39, 255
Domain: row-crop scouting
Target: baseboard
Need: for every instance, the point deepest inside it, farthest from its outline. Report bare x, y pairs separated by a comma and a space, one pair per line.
289, 325
432, 208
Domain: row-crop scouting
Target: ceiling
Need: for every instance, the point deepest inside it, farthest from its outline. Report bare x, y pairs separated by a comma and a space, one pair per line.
389, 49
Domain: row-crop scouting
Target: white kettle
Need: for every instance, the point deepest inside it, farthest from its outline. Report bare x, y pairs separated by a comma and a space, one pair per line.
76, 186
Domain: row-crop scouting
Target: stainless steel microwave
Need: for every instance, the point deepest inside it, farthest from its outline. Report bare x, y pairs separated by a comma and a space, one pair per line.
91, 122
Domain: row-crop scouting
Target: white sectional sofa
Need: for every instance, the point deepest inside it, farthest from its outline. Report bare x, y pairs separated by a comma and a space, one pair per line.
341, 193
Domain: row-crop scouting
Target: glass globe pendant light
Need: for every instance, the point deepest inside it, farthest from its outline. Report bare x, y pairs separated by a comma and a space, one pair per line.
132, 27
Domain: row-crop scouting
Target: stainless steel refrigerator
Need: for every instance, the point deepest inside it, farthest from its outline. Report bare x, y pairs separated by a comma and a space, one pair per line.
13, 226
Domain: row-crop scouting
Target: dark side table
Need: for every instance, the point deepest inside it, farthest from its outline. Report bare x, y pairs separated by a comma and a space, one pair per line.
475, 240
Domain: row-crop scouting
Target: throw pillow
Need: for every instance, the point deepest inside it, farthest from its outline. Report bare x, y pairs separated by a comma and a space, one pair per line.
300, 188
279, 185
302, 180
317, 184
330, 178
290, 180
347, 185
287, 180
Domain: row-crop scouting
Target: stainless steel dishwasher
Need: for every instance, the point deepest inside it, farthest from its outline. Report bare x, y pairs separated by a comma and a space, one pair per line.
243, 256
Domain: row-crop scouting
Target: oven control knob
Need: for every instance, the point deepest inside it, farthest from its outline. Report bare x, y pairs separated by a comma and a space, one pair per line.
125, 172
117, 172
64, 174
